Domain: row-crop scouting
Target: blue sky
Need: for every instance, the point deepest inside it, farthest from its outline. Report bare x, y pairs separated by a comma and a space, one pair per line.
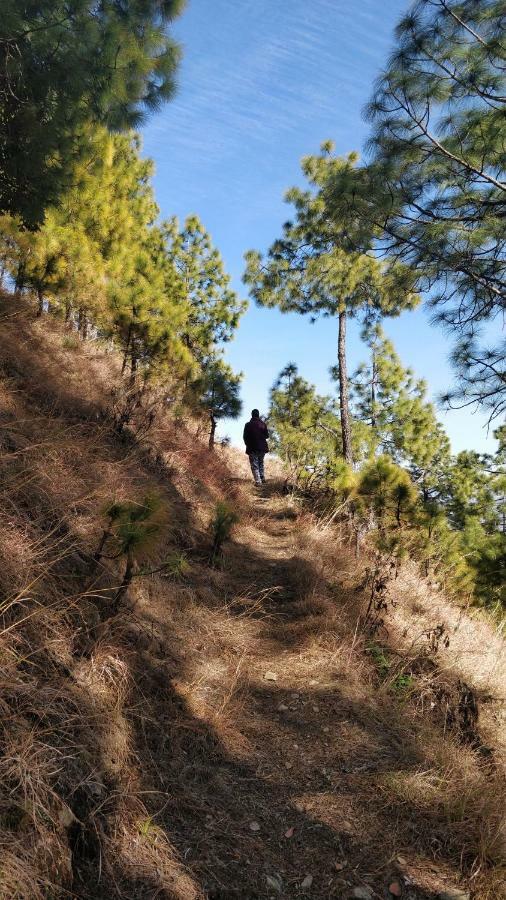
262, 84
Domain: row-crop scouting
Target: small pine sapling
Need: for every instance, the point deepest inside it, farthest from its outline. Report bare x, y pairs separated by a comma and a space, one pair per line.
138, 528
112, 512
133, 528
177, 565
221, 527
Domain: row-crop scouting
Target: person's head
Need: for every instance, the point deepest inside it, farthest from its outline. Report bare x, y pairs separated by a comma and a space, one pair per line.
255, 414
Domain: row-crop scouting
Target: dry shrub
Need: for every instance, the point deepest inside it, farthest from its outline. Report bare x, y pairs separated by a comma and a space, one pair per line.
104, 676
142, 858
37, 751
454, 804
476, 650
17, 558
457, 796
34, 867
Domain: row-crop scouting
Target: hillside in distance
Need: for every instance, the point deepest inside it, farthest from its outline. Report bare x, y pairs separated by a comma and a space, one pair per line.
220, 731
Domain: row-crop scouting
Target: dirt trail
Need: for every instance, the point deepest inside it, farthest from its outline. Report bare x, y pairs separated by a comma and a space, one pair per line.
271, 745
254, 812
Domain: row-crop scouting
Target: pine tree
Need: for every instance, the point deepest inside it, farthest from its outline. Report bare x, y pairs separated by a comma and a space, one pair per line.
389, 492
474, 482
221, 529
441, 551
85, 283
305, 431
217, 393
436, 187
64, 64
401, 421
62, 265
144, 306
99, 257
43, 262
317, 268
133, 530
214, 309
10, 231
468, 541
499, 474
480, 377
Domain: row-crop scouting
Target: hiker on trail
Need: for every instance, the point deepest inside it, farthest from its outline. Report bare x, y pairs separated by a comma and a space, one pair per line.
255, 437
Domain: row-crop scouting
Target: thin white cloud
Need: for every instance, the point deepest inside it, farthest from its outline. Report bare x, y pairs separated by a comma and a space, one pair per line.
260, 71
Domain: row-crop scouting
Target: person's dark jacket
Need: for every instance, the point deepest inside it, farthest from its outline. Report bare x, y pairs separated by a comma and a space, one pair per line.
255, 436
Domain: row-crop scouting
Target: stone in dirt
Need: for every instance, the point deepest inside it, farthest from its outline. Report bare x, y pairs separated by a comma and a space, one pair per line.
271, 676
66, 816
363, 893
254, 826
308, 880
395, 889
275, 882
454, 894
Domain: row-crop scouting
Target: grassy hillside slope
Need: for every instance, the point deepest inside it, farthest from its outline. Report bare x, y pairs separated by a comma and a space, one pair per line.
230, 732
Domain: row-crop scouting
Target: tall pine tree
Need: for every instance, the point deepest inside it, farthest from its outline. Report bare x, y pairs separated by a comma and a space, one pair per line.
401, 421
305, 431
214, 309
317, 268
435, 188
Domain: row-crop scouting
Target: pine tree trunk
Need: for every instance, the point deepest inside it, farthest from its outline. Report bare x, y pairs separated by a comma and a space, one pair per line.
373, 390
212, 433
133, 365
68, 311
97, 556
343, 390
127, 350
40, 307
20, 279
125, 583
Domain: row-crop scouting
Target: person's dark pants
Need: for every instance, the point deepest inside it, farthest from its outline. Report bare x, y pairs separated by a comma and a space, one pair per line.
256, 461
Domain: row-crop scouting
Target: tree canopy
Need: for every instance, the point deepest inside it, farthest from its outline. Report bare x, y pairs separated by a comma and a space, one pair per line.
101, 259
67, 64
214, 309
435, 186
217, 390
401, 422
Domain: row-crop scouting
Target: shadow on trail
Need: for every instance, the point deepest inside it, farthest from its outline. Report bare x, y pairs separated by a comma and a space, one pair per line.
288, 802
285, 782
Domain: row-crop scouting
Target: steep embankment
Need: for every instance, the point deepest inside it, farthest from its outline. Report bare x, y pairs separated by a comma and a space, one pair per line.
231, 732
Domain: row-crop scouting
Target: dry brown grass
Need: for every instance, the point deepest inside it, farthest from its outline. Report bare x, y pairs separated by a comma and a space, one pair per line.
137, 750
